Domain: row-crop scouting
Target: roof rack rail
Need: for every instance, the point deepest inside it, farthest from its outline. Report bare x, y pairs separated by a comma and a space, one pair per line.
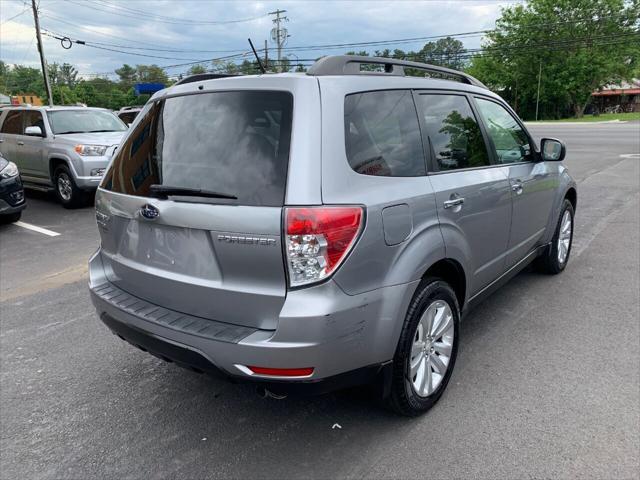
350, 65
199, 77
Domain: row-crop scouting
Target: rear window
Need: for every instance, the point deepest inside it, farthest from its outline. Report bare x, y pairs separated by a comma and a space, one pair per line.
382, 135
233, 143
12, 123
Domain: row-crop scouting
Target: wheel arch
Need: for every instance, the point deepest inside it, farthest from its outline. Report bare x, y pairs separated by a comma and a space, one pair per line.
55, 162
452, 272
572, 196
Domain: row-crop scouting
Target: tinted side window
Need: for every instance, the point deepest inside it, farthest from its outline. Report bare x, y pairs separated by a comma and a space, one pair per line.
33, 119
12, 123
382, 135
509, 139
455, 138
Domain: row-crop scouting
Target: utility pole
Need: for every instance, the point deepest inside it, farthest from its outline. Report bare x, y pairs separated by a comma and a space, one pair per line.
279, 34
538, 95
45, 73
266, 56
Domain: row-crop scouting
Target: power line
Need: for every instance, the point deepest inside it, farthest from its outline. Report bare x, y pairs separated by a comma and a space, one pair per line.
55, 18
123, 12
132, 47
15, 16
175, 19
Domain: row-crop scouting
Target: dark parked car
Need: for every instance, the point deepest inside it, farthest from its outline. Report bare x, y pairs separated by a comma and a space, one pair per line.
128, 114
11, 192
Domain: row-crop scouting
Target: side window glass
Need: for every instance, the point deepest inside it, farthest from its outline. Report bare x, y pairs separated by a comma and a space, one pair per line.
33, 119
12, 123
455, 137
510, 140
382, 134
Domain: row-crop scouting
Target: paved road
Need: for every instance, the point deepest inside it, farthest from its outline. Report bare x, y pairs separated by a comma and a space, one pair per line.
546, 384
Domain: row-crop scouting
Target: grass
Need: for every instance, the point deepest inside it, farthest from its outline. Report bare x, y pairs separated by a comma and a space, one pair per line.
603, 117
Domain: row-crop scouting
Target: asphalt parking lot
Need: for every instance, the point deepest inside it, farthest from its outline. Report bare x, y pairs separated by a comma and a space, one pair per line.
547, 382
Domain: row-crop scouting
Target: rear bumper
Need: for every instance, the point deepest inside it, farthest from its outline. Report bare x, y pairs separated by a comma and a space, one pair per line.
194, 360
346, 339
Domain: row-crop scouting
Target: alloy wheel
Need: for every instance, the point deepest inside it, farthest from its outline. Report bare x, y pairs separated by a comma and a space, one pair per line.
564, 238
64, 187
431, 348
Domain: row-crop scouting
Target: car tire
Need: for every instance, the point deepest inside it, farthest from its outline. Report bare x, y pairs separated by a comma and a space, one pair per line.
417, 379
556, 257
10, 218
69, 195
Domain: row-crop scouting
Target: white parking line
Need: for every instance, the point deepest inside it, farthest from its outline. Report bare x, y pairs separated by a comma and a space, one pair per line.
35, 228
630, 155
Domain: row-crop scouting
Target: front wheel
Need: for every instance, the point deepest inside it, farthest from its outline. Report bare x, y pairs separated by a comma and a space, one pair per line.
555, 259
10, 218
427, 349
69, 195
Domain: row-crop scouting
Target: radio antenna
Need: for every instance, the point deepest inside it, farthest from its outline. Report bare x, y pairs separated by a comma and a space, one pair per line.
257, 57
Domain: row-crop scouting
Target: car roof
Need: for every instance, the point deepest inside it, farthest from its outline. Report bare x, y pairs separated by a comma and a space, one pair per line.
346, 70
347, 83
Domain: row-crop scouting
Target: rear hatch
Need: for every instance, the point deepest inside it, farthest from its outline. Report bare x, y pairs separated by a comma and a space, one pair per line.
190, 210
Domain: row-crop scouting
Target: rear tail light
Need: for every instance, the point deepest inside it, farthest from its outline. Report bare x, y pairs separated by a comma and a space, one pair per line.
318, 239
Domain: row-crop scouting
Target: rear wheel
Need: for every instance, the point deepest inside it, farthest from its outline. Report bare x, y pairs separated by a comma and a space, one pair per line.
69, 195
556, 257
427, 349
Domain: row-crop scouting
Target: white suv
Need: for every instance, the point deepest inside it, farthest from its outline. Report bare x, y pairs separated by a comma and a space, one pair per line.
65, 148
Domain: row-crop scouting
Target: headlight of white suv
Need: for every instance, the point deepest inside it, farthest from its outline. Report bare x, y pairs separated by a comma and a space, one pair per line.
10, 170
91, 150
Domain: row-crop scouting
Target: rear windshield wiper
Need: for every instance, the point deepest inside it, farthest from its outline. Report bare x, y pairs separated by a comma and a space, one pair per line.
164, 191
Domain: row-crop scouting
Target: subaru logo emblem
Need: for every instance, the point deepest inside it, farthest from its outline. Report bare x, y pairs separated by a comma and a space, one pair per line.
149, 211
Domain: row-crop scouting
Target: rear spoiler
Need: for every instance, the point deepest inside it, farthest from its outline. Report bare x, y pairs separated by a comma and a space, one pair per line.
199, 77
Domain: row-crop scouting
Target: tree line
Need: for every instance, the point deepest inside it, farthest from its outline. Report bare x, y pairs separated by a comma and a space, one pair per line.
545, 55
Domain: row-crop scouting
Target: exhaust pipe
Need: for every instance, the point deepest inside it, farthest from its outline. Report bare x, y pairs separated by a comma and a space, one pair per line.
264, 393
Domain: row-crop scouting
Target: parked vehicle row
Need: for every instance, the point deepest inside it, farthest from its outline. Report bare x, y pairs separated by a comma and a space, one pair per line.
311, 231
66, 149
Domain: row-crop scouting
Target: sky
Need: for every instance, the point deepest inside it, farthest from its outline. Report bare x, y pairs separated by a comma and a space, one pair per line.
183, 31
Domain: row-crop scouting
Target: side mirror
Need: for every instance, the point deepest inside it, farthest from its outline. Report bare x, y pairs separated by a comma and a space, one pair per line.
33, 131
552, 150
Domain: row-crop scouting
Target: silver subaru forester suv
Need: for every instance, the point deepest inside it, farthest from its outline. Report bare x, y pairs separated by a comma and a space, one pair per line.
320, 230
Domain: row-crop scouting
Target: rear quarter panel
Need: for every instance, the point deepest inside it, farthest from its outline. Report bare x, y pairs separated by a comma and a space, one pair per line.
374, 263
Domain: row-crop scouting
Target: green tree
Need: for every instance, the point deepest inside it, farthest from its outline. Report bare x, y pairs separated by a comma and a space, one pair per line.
151, 74
21, 79
447, 52
196, 69
68, 75
127, 75
575, 46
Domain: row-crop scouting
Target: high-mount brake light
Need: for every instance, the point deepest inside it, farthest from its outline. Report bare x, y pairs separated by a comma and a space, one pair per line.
318, 239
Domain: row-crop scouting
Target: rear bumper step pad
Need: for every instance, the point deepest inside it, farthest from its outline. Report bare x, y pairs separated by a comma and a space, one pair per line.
180, 322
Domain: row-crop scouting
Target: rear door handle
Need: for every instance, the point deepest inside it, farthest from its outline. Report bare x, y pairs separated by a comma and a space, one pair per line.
20, 143
453, 202
517, 187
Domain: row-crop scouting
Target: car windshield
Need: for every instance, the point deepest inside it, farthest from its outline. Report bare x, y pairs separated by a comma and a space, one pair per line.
84, 121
